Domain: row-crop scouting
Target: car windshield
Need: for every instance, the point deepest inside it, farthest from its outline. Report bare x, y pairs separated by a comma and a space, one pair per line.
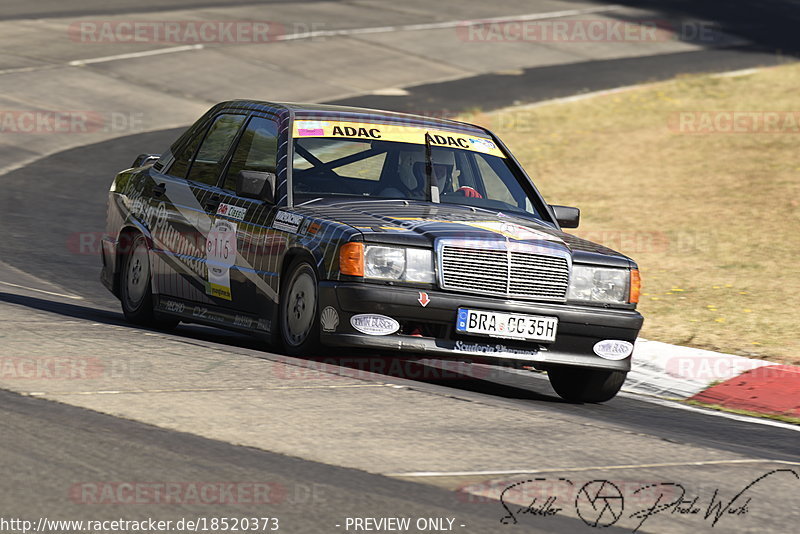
381, 161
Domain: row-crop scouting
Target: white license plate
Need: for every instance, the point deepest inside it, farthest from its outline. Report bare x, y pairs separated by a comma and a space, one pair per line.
507, 325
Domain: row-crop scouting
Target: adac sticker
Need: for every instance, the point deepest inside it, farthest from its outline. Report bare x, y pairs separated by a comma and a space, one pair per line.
374, 324
399, 133
221, 256
613, 349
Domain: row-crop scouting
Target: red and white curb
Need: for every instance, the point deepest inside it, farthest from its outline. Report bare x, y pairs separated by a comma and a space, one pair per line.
773, 389
675, 372
672, 371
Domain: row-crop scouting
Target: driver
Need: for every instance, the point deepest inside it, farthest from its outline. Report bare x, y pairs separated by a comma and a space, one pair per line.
413, 170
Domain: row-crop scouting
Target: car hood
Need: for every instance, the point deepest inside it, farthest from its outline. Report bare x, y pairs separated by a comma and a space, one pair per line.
421, 223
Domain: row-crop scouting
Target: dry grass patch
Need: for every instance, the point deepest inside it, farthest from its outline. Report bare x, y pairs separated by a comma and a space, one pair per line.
713, 219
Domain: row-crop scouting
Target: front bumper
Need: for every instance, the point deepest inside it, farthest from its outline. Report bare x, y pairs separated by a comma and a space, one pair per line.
579, 327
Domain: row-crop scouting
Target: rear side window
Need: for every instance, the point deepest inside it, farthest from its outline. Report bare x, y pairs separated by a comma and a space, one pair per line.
210, 157
257, 150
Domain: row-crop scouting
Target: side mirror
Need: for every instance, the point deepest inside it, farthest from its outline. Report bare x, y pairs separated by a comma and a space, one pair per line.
566, 216
256, 184
143, 159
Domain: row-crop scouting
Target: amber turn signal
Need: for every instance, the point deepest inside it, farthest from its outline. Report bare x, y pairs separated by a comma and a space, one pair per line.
636, 286
351, 259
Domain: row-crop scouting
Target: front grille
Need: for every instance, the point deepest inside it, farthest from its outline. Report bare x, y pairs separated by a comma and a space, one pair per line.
503, 272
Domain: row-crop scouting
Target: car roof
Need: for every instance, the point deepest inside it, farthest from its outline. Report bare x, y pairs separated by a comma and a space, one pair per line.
354, 114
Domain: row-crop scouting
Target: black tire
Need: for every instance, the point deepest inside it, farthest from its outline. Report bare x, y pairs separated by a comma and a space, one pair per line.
298, 315
586, 385
135, 287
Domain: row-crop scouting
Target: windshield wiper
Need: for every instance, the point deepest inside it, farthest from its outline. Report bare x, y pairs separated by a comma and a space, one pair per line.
431, 189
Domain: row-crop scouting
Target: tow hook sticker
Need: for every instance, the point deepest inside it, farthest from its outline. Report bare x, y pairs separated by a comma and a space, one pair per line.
613, 349
374, 325
423, 299
329, 319
221, 256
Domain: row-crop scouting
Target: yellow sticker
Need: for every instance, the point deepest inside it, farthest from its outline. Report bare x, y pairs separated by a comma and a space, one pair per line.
399, 133
221, 292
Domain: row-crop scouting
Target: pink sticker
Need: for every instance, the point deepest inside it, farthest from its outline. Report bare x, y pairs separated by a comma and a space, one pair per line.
308, 132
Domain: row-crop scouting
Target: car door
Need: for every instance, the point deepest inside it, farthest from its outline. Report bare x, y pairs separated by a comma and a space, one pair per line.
177, 266
185, 193
202, 202
252, 259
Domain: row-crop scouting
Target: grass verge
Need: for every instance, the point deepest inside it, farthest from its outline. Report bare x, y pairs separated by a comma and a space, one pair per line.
711, 216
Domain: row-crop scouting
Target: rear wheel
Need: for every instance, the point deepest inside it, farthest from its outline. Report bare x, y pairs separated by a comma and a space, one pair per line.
586, 385
299, 326
135, 288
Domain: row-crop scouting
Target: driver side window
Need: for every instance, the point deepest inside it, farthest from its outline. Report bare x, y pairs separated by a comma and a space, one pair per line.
257, 150
210, 158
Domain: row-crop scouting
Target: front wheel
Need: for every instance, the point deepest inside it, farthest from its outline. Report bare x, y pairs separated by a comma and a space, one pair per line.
586, 385
299, 327
135, 289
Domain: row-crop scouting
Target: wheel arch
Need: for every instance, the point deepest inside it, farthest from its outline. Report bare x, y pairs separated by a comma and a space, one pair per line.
124, 238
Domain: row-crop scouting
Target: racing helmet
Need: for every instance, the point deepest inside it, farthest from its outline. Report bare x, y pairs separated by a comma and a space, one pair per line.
412, 168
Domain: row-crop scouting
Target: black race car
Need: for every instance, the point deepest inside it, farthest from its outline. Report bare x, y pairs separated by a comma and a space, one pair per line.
318, 225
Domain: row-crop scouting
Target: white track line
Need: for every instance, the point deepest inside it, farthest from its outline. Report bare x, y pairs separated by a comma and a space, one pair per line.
449, 24
358, 31
134, 55
503, 472
708, 411
75, 297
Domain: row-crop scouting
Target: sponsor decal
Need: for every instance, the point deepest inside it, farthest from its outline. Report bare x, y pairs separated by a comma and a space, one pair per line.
613, 349
221, 256
311, 128
512, 231
484, 144
287, 222
482, 348
400, 133
374, 325
329, 319
309, 228
234, 212
505, 229
449, 140
423, 299
350, 131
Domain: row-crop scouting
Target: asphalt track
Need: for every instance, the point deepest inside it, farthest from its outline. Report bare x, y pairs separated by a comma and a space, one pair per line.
45, 443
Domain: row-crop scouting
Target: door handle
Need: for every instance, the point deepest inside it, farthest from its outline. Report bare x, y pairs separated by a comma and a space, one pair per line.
212, 204
159, 190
